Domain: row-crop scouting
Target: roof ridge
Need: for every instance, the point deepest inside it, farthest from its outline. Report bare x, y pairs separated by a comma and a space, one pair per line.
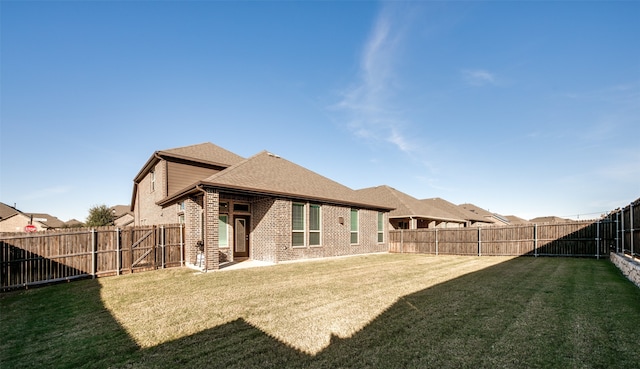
186, 146
227, 170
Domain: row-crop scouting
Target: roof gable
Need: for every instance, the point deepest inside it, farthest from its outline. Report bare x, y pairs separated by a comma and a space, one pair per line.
46, 220
406, 205
120, 210
452, 208
493, 217
270, 174
204, 152
516, 220
7, 211
548, 219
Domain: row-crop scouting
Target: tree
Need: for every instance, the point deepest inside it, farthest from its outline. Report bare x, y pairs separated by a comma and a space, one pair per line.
99, 215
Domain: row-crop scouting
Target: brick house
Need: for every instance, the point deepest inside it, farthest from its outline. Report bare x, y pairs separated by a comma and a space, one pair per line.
411, 213
13, 220
263, 208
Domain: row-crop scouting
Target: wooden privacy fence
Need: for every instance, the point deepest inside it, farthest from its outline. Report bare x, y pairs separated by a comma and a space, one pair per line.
627, 228
585, 238
45, 257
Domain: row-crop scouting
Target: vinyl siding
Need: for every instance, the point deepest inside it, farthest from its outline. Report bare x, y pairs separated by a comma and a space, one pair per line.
182, 175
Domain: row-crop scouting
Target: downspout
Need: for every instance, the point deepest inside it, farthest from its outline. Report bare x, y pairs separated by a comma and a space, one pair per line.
203, 229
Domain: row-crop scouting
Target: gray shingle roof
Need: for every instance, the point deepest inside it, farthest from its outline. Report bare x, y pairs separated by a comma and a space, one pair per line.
406, 205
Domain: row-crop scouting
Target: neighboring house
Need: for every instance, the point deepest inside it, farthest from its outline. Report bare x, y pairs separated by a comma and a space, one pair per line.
516, 220
122, 215
473, 219
74, 223
411, 213
13, 220
493, 218
263, 208
549, 219
7, 211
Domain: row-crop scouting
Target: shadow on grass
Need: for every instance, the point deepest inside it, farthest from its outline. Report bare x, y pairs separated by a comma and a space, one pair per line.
528, 312
60, 326
523, 313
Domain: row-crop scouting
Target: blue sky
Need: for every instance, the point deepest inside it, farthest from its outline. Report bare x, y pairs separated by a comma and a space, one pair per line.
525, 108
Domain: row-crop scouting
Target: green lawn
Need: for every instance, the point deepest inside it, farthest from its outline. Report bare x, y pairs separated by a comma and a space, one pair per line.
375, 311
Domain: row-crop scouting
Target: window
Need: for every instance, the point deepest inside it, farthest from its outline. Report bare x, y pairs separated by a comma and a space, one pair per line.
244, 208
181, 207
303, 232
314, 225
223, 230
297, 225
153, 180
403, 225
354, 226
380, 227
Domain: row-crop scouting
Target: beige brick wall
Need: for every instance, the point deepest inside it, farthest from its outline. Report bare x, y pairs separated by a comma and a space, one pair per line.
193, 233
270, 232
146, 212
271, 236
211, 249
17, 223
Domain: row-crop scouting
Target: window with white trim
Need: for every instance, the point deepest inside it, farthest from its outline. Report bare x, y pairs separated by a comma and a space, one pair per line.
354, 226
153, 180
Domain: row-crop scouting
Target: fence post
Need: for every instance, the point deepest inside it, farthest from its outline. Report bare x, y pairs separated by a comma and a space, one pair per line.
535, 240
436, 241
617, 232
632, 227
118, 246
479, 241
622, 228
402, 241
162, 244
598, 240
94, 252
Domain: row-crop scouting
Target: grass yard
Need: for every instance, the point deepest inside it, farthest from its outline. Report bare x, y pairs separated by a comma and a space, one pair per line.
373, 311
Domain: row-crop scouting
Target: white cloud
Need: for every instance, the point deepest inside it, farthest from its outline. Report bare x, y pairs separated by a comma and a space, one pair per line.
368, 103
479, 77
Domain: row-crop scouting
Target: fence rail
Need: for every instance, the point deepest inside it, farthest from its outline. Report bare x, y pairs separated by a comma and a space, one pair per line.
45, 257
584, 238
627, 228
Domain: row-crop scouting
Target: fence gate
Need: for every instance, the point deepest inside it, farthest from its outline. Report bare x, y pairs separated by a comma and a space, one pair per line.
140, 244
